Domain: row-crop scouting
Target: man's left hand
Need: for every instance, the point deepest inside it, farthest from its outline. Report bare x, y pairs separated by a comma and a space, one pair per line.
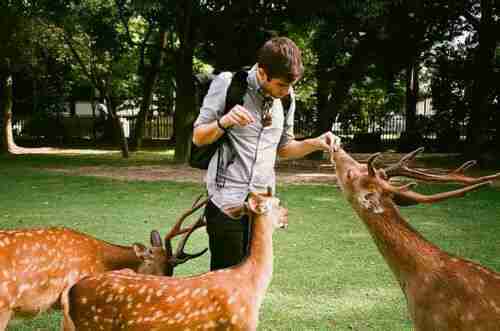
328, 142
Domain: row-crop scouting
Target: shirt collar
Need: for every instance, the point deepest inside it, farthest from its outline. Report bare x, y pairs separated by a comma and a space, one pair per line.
253, 82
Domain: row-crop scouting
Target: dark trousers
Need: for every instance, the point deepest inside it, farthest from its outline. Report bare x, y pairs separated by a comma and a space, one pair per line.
227, 238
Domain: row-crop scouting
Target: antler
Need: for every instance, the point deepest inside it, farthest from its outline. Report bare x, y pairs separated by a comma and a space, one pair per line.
405, 196
176, 229
180, 256
457, 176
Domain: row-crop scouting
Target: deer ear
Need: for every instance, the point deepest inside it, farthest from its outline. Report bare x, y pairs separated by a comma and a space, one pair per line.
142, 251
253, 203
350, 174
371, 201
156, 239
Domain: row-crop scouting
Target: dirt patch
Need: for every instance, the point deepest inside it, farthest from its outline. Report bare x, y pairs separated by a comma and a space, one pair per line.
187, 174
301, 171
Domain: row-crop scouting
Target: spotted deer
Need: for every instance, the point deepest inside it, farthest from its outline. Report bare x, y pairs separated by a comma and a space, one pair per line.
226, 299
39, 265
443, 291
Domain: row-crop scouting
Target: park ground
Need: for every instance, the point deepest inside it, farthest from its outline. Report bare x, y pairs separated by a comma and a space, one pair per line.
328, 274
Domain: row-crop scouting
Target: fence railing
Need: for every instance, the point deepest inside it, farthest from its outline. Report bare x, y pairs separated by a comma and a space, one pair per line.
161, 127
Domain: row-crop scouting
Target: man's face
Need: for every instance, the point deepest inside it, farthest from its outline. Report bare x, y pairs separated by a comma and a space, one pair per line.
275, 87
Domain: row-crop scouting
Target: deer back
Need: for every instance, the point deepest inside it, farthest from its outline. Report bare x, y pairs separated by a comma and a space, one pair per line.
226, 299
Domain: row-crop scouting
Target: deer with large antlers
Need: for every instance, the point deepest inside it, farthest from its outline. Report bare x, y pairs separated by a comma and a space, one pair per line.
226, 299
39, 266
443, 292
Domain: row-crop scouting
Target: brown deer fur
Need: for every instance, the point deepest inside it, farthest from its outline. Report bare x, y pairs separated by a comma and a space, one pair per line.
227, 299
443, 291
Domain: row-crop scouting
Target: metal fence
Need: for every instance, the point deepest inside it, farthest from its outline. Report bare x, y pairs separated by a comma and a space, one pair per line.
161, 127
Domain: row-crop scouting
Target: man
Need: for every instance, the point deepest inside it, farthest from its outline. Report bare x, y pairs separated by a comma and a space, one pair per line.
257, 131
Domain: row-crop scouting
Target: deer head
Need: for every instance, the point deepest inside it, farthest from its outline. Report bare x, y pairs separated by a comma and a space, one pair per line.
260, 204
369, 187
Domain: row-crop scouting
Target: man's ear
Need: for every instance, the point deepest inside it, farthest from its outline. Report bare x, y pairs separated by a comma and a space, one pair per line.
261, 74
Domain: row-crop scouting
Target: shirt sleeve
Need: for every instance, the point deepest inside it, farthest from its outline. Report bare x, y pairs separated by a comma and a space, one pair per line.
288, 134
215, 100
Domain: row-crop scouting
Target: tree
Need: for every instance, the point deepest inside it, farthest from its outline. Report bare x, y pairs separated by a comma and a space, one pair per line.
486, 24
94, 35
154, 44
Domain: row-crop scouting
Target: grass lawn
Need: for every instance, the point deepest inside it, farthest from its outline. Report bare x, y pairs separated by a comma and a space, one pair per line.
328, 273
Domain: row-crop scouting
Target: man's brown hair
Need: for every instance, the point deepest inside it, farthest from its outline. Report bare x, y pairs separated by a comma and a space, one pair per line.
281, 58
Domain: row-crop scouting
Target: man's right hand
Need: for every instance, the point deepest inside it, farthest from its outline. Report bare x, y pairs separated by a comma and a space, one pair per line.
237, 116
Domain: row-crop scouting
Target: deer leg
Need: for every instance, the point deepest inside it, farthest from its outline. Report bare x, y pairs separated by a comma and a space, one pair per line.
67, 323
5, 316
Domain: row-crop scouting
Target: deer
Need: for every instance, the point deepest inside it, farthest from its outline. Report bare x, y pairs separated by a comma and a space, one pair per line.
225, 299
39, 265
443, 291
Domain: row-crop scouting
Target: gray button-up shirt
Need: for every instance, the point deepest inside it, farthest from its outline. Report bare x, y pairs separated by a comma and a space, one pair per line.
254, 146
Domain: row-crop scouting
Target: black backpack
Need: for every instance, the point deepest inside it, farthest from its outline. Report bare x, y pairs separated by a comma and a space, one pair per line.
201, 155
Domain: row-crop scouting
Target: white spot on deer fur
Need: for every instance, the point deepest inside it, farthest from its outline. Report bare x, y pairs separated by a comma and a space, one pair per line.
183, 293
209, 325
232, 299
179, 316
148, 298
234, 319
195, 292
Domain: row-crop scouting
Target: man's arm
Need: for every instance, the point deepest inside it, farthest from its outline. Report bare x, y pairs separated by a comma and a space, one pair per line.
296, 149
205, 134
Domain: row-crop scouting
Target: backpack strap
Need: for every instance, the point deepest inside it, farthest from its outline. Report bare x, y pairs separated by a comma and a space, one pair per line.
236, 90
286, 102
234, 96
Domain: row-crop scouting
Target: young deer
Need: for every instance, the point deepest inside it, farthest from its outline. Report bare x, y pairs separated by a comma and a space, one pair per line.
226, 299
443, 292
39, 265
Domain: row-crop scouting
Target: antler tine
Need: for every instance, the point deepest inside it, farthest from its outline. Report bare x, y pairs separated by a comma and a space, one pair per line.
369, 162
465, 166
402, 164
415, 197
453, 176
180, 256
197, 200
176, 229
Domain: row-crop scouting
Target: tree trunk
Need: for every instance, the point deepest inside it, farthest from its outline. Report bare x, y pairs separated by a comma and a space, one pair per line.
185, 106
481, 87
151, 76
411, 138
185, 103
323, 91
412, 87
118, 133
8, 137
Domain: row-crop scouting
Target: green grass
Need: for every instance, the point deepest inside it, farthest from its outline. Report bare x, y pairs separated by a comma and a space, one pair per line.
328, 273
